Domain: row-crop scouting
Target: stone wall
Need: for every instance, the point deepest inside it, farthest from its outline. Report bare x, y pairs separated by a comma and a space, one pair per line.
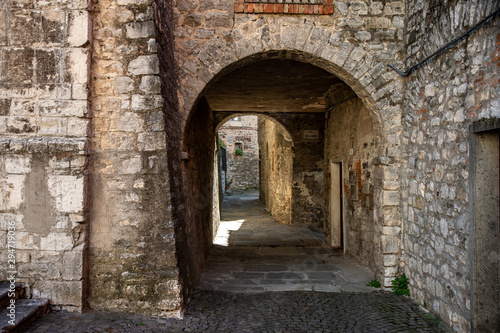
133, 263
442, 100
196, 222
308, 166
352, 140
276, 169
242, 170
44, 48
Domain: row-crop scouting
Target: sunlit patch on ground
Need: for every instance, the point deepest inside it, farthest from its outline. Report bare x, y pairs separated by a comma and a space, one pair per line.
224, 231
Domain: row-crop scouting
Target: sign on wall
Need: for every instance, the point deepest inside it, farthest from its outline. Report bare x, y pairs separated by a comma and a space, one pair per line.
310, 134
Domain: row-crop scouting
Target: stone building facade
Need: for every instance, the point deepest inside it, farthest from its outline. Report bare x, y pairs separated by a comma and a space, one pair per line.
108, 115
240, 133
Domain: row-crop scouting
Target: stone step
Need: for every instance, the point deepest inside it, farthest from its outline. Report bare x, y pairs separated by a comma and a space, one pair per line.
5, 291
26, 312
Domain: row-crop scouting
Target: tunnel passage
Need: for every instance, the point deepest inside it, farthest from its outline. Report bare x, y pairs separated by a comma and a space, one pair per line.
325, 120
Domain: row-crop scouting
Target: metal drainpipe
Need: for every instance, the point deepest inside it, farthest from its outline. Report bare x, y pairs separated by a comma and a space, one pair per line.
447, 46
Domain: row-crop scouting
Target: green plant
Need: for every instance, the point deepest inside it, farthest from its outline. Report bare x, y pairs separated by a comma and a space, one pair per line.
432, 318
400, 285
374, 283
221, 143
238, 152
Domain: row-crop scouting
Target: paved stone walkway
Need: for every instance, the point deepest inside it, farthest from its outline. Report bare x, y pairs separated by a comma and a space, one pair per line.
246, 269
285, 287
246, 222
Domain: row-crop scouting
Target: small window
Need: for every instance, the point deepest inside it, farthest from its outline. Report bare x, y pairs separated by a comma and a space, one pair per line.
238, 149
236, 119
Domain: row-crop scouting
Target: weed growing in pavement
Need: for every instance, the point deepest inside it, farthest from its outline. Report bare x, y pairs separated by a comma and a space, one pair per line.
432, 318
400, 285
374, 283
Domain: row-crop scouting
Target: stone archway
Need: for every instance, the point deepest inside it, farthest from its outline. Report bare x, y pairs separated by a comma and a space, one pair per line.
384, 118
204, 56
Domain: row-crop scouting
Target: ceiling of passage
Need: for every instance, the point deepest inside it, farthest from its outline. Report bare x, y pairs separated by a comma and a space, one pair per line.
272, 86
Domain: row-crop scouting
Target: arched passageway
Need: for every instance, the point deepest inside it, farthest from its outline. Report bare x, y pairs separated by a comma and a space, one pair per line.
330, 126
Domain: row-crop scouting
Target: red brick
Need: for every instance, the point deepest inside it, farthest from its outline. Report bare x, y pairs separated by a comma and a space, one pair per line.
315, 9
250, 8
281, 8
301, 9
495, 56
321, 7
266, 8
296, 8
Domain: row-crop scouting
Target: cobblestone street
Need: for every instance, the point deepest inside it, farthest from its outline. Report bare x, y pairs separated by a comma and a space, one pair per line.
266, 312
248, 287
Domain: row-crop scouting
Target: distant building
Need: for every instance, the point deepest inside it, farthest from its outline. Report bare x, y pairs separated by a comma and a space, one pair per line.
239, 137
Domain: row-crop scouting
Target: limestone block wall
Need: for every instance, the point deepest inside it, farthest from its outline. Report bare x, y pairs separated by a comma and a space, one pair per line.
276, 169
351, 139
442, 100
132, 259
44, 48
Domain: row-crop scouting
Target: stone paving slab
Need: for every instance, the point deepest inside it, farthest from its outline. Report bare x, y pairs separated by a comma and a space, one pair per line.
211, 311
247, 269
245, 221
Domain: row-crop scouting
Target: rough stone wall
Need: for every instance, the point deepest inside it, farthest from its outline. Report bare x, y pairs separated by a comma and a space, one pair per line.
442, 99
350, 139
133, 263
308, 165
242, 170
43, 129
197, 167
276, 169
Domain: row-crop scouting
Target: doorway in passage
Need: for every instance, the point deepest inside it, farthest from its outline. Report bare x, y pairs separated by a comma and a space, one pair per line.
335, 204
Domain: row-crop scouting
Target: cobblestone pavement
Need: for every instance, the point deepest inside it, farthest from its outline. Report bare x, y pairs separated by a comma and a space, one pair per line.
301, 311
267, 289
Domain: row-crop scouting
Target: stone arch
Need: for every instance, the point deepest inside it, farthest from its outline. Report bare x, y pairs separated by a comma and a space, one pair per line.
220, 121
377, 88
359, 68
